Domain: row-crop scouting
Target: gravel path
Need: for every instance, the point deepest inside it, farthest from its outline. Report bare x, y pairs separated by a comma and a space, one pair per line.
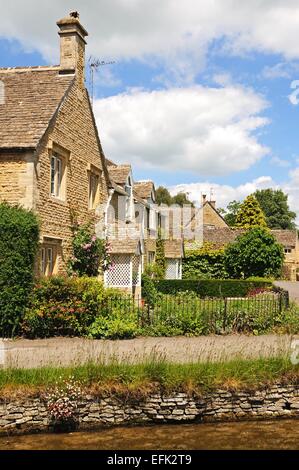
71, 351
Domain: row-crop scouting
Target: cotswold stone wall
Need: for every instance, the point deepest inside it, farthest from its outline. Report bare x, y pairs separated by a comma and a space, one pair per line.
25, 416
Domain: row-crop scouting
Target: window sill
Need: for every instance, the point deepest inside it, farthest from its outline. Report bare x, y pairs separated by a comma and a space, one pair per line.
58, 200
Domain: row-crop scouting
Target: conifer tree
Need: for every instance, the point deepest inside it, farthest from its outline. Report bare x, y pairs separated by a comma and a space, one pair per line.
250, 215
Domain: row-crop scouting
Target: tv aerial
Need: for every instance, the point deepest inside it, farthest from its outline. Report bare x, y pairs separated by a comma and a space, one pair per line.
94, 65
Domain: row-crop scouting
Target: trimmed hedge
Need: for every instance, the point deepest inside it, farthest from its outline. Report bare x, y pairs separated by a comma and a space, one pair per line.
19, 237
211, 287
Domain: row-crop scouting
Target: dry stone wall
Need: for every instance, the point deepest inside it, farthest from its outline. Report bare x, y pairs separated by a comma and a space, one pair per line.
30, 415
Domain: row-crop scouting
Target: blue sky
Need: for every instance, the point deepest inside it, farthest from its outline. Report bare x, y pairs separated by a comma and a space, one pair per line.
197, 98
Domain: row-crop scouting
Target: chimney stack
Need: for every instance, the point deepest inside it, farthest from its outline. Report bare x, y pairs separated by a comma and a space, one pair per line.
72, 46
203, 199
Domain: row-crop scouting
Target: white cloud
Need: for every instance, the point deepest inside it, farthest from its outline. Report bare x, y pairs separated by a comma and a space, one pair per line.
223, 194
293, 97
173, 32
210, 131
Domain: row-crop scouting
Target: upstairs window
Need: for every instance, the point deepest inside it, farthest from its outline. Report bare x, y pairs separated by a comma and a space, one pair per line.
57, 173
288, 250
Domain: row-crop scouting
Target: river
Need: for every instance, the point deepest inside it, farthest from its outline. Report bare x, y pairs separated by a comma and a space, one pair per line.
258, 435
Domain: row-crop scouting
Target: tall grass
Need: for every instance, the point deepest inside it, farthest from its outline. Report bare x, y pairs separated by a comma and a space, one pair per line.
159, 375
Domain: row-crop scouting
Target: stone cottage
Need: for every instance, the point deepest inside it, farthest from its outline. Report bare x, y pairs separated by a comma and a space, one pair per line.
51, 161
215, 231
51, 158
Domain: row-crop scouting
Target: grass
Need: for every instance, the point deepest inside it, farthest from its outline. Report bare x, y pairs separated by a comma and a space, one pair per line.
153, 376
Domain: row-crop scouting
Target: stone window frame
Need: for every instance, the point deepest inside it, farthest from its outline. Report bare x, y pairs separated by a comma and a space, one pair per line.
62, 157
288, 250
93, 172
49, 265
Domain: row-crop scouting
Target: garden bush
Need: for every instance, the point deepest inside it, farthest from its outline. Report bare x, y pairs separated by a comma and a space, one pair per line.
19, 236
63, 306
211, 287
254, 253
204, 263
114, 327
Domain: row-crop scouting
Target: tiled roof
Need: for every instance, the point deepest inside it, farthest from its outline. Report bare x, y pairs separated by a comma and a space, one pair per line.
124, 246
173, 248
32, 96
219, 237
143, 189
119, 173
286, 237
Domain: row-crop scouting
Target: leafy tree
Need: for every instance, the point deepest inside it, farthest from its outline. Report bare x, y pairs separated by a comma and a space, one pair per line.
231, 212
250, 214
274, 204
254, 253
163, 196
181, 199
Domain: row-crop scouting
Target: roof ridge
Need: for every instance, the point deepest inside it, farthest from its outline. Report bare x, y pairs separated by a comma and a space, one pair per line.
34, 68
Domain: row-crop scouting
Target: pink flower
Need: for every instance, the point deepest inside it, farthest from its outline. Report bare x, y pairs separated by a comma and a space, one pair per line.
87, 246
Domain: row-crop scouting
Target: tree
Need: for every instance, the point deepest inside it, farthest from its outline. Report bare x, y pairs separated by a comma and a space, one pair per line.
254, 253
250, 214
231, 212
181, 199
274, 204
19, 239
163, 196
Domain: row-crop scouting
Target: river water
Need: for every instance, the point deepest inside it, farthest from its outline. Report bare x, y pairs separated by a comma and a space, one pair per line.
258, 435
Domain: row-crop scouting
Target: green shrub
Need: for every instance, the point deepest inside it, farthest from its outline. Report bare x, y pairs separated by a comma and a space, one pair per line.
113, 328
19, 235
204, 263
149, 291
160, 255
210, 287
63, 306
254, 253
90, 254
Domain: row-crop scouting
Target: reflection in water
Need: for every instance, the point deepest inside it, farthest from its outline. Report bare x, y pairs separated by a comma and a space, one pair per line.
283, 434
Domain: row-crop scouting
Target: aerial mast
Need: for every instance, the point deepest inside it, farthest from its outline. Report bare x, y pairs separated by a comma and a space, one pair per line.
94, 65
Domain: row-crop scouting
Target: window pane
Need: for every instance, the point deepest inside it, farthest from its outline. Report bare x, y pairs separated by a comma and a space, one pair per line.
59, 176
53, 165
50, 261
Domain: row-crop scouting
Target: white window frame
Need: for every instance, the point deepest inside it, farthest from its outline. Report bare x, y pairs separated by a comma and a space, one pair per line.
57, 169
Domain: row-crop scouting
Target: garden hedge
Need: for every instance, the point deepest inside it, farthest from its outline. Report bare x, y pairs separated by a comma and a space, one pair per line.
19, 237
211, 287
